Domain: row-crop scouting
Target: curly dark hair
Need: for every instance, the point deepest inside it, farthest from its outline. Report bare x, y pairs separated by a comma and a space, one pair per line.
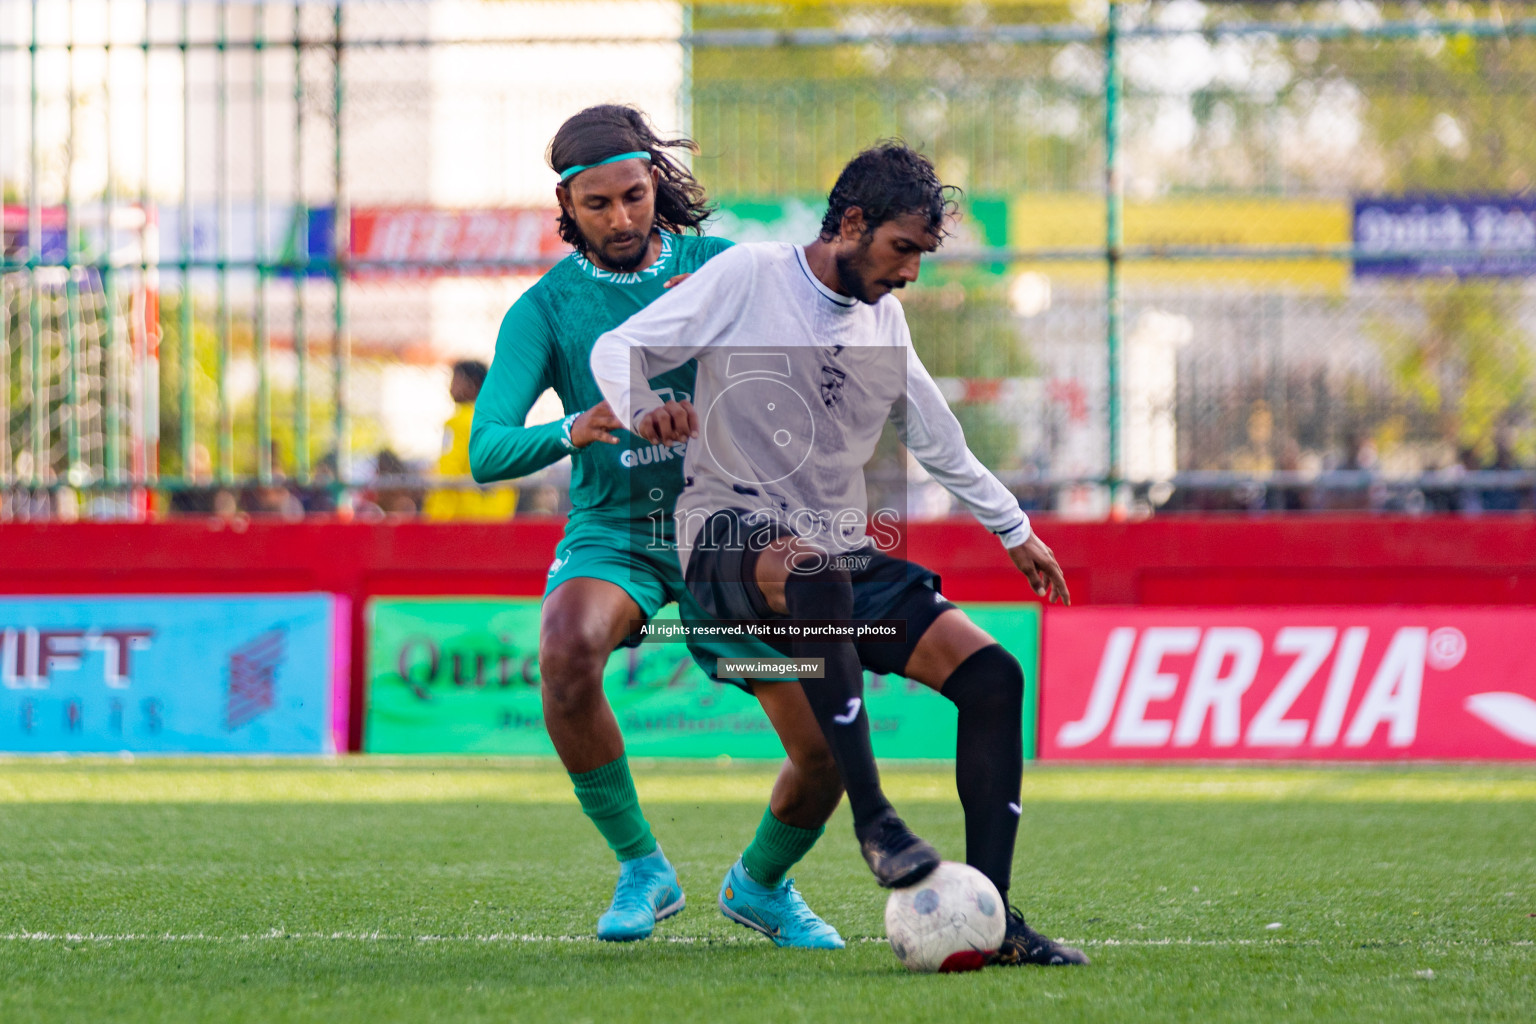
609, 129
472, 370
889, 180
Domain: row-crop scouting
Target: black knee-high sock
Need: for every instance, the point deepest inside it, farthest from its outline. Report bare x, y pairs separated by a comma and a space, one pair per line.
988, 689
838, 699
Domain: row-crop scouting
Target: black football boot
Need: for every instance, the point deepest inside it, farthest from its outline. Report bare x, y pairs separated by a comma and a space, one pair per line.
896, 856
1023, 945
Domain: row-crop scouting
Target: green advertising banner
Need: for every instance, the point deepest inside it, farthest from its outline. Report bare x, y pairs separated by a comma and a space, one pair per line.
461, 676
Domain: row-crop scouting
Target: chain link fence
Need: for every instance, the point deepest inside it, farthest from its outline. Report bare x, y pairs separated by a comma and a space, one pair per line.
1212, 256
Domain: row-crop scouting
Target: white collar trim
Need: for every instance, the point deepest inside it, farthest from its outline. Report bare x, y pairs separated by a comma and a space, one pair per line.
845, 301
650, 273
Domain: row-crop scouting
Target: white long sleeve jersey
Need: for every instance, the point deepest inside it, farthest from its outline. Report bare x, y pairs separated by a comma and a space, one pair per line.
794, 385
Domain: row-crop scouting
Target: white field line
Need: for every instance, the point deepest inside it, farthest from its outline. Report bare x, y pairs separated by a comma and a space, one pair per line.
516, 938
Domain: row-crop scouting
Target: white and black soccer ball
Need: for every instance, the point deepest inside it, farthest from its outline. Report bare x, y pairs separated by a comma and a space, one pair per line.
950, 921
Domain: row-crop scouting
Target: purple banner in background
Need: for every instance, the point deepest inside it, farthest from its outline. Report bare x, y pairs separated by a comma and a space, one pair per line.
1491, 236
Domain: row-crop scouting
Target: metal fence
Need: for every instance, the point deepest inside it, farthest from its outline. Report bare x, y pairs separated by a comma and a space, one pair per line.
1212, 256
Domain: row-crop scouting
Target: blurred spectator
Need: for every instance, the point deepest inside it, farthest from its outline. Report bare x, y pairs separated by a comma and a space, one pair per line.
1033, 489
1254, 459
541, 500
466, 502
201, 496
1467, 499
319, 497
273, 498
1353, 483
391, 497
1289, 496
1504, 496
1504, 451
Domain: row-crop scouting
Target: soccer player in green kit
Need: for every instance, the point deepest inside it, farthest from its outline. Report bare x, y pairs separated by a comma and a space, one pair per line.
624, 206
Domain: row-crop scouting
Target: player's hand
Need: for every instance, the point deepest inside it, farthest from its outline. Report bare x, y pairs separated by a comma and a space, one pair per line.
596, 424
675, 280
675, 421
1039, 566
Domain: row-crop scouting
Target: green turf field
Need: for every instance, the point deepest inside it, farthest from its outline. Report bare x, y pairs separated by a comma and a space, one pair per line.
467, 891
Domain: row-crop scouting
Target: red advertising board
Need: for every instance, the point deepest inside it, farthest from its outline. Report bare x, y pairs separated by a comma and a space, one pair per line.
463, 242
1319, 683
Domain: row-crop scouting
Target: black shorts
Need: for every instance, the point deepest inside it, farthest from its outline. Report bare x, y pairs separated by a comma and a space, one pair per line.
721, 579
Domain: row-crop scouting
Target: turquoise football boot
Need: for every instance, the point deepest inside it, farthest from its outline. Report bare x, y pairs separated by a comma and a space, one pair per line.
779, 912
647, 892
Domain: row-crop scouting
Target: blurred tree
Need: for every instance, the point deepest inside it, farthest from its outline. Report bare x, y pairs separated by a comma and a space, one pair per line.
1468, 362
783, 121
1453, 115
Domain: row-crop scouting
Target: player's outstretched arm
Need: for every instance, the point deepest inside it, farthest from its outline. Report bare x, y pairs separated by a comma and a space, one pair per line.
666, 334
931, 432
500, 446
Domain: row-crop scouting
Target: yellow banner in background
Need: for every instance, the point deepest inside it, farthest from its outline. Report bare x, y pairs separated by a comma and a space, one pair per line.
1072, 221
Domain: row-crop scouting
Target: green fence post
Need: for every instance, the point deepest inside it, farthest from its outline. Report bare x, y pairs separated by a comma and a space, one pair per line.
222, 231
342, 243
188, 356
71, 408
263, 223
300, 256
38, 409
1114, 197
149, 277
6, 463
111, 396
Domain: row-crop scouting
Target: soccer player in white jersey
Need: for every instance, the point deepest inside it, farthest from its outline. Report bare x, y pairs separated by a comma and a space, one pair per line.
803, 354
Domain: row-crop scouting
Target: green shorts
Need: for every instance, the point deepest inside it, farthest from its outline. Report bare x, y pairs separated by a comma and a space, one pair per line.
622, 553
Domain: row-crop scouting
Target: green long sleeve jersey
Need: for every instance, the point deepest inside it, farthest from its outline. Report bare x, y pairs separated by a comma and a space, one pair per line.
546, 341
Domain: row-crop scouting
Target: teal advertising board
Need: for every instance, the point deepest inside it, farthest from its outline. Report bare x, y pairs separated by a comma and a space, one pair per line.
461, 676
191, 674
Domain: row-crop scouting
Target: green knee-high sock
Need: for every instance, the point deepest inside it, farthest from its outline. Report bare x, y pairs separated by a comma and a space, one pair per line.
607, 795
776, 848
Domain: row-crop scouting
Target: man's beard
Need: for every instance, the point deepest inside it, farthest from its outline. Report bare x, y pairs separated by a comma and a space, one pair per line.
621, 264
850, 276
